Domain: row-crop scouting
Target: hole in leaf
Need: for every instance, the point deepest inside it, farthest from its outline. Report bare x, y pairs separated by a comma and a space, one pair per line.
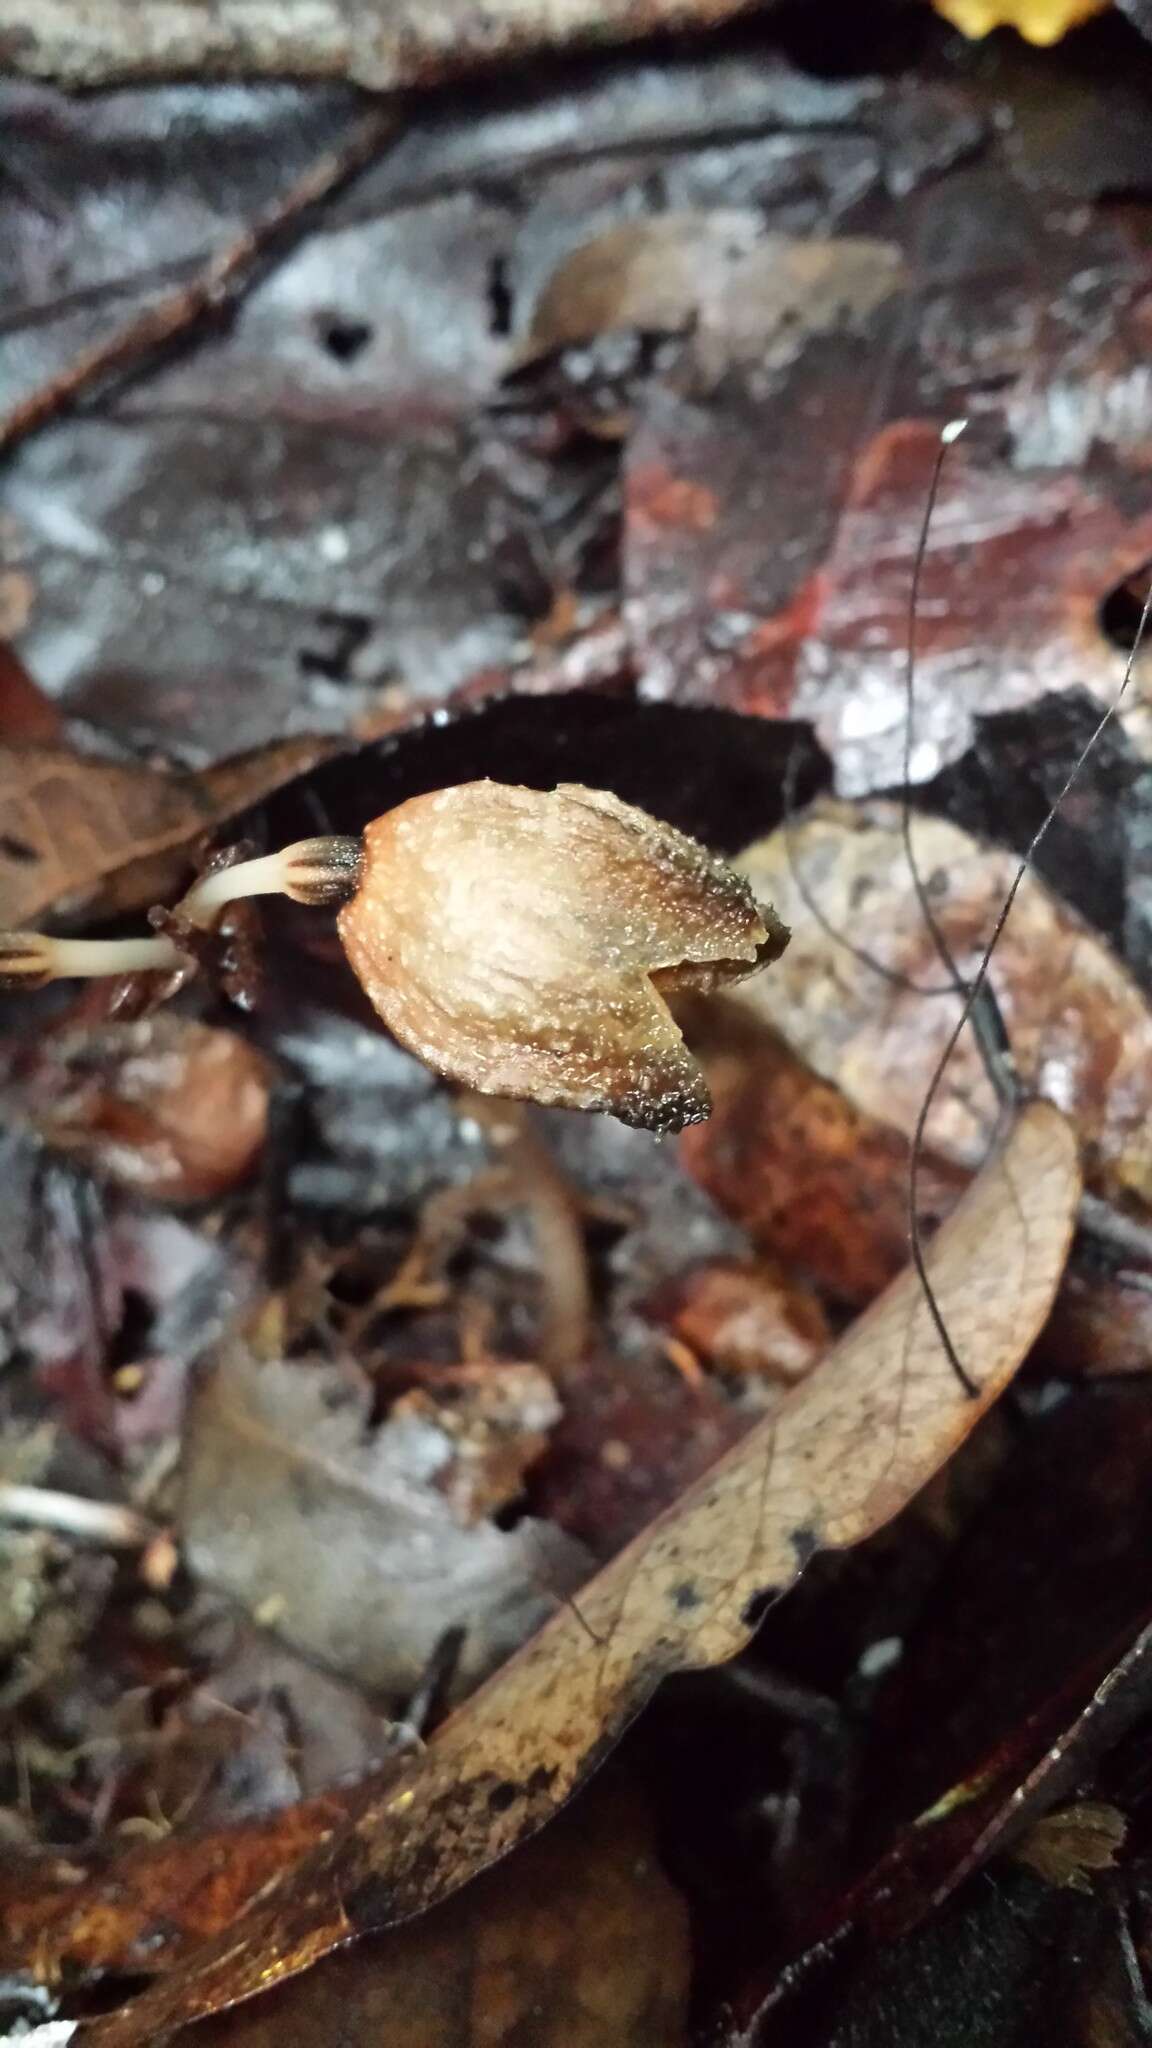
1119, 612
137, 1317
501, 302
346, 634
345, 339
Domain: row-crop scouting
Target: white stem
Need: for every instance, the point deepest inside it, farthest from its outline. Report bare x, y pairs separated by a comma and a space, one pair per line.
314, 871
30, 959
88, 959
98, 1520
264, 877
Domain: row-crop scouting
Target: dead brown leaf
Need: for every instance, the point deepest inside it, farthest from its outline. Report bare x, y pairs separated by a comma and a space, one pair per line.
843, 1453
1063, 1847
70, 823
26, 714
1080, 1029
751, 296
581, 1942
1021, 551
283, 1475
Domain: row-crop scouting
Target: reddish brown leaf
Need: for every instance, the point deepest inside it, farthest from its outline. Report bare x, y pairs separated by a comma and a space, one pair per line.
165, 1107
26, 714
840, 1457
818, 1182
1021, 557
751, 1320
155, 1901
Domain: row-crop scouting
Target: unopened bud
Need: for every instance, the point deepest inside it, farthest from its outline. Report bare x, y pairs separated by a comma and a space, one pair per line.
523, 943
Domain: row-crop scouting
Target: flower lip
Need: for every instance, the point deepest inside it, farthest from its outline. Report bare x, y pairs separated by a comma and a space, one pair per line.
524, 942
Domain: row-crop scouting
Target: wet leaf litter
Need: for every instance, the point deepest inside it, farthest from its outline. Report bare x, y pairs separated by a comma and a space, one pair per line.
533, 1335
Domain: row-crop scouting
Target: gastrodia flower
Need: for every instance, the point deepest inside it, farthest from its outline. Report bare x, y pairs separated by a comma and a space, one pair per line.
523, 942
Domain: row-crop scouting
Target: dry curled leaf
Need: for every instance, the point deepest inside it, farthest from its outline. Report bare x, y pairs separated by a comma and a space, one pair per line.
841, 1455
524, 942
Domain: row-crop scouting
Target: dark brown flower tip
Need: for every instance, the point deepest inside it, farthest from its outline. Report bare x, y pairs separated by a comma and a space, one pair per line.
321, 872
523, 942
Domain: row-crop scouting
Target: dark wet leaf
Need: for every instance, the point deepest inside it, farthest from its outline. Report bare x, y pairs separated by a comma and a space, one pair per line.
1030, 1660
581, 1940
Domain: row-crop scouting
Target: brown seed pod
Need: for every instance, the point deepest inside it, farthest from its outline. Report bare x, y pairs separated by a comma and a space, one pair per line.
524, 942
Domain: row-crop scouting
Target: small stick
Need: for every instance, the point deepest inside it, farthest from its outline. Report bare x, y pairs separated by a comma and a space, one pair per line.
96, 1521
223, 280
